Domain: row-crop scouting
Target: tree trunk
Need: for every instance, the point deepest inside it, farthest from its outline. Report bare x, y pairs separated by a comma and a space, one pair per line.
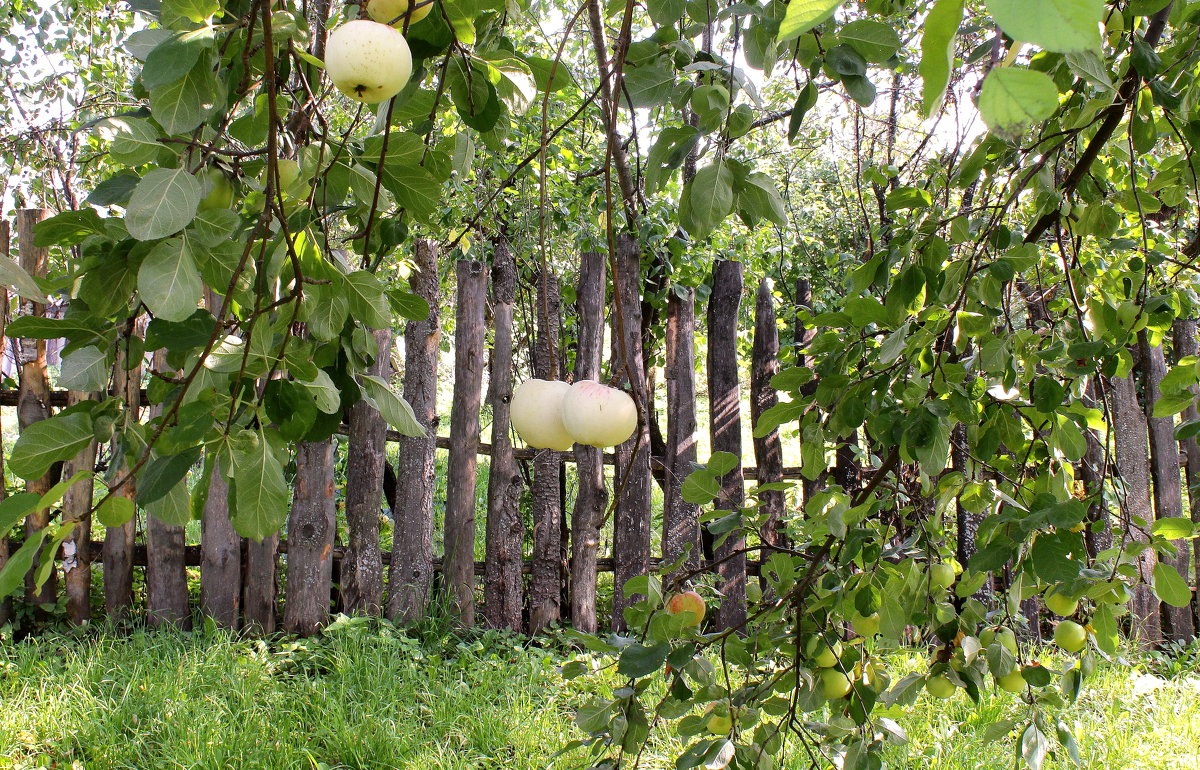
768, 451
725, 426
1178, 624
631, 528
411, 574
166, 574
1133, 464
505, 533
362, 569
6, 602
118, 541
1185, 339
545, 586
220, 554
681, 530
76, 548
592, 497
33, 401
311, 528
458, 561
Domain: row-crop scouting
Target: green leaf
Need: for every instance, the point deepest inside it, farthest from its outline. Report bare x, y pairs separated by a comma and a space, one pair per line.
649, 85
638, 660
875, 41
197, 11
163, 203
1173, 528
722, 463
12, 274
759, 198
14, 509
804, 15
20, 562
260, 493
707, 200
700, 487
1170, 587
164, 473
1105, 627
172, 59
368, 304
1062, 26
804, 102
68, 228
663, 12
132, 141
49, 441
395, 410
173, 508
115, 511
907, 198
1014, 98
1034, 747
169, 281
85, 368
1172, 404
184, 104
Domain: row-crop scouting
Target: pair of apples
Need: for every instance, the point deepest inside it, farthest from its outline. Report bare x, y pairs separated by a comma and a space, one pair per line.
369, 61
550, 414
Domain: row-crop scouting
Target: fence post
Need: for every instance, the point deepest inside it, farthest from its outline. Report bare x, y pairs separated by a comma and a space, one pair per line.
725, 426
680, 525
412, 539
1129, 433
592, 498
545, 586
768, 451
119, 540
502, 595
310, 529
362, 567
166, 574
76, 548
5, 235
1185, 340
631, 526
458, 564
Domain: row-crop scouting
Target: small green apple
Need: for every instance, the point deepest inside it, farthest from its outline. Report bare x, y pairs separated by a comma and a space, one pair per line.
218, 190
867, 625
1060, 603
940, 686
1011, 682
835, 684
941, 575
1071, 636
826, 656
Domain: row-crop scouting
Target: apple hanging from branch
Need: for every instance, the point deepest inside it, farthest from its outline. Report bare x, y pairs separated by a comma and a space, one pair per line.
393, 12
368, 61
536, 414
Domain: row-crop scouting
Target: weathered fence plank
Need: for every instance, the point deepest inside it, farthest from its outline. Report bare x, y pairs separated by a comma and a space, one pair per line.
260, 584
591, 499
119, 540
725, 427
681, 530
545, 587
459, 525
631, 526
76, 548
311, 528
5, 253
166, 575
1184, 336
768, 450
221, 549
504, 534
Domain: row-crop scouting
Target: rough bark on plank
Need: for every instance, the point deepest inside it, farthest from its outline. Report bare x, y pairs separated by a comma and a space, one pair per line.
411, 576
725, 427
1184, 336
1093, 470
33, 405
76, 548
545, 594
5, 236
119, 541
362, 572
768, 450
591, 499
505, 533
1165, 472
631, 526
221, 549
311, 528
681, 529
166, 574
1133, 465
260, 585
459, 527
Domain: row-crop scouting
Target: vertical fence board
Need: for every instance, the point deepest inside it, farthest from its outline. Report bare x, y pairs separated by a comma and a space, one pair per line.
76, 555
260, 584
504, 535
5, 235
118, 541
631, 526
1133, 465
311, 528
725, 426
1178, 624
362, 569
681, 530
1184, 336
411, 573
591, 498
459, 558
34, 399
166, 574
768, 450
545, 585
1093, 470
220, 554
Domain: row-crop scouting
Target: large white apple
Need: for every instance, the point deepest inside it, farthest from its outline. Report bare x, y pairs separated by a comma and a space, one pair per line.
367, 61
385, 11
536, 413
598, 415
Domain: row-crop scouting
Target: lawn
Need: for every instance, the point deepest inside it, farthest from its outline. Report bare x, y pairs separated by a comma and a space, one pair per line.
375, 697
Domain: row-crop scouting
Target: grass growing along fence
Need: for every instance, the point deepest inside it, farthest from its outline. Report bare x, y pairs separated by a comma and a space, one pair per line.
367, 695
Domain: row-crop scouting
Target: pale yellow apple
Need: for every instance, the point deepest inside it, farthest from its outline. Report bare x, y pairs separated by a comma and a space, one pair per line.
367, 61
393, 12
598, 415
536, 413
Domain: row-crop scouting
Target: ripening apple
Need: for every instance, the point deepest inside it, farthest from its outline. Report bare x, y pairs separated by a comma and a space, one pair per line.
940, 686
1004, 636
536, 414
717, 722
835, 684
866, 625
1011, 682
598, 415
1060, 603
941, 575
218, 191
367, 61
825, 655
1071, 636
688, 601
393, 11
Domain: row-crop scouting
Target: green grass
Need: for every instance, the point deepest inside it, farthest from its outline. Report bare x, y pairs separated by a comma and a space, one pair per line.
367, 696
